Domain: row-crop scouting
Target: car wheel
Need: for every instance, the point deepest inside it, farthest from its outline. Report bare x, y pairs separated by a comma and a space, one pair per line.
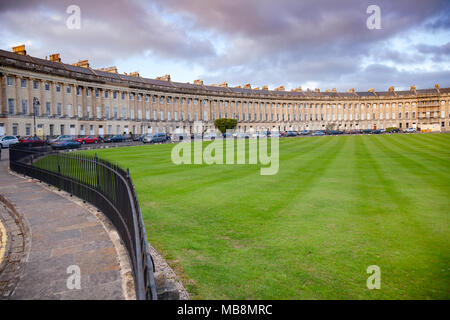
95, 142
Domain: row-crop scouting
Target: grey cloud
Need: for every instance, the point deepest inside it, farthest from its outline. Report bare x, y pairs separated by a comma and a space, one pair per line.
264, 41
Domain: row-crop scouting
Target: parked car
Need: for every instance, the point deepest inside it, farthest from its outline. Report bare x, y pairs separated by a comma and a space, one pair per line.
275, 134
139, 137
116, 138
243, 135
318, 133
304, 132
6, 141
65, 136
228, 135
31, 141
382, 130
367, 131
180, 137
88, 139
376, 131
395, 130
156, 138
65, 144
410, 130
291, 134
210, 136
258, 135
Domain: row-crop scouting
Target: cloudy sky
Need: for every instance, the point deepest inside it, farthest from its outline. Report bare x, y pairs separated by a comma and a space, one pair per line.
313, 44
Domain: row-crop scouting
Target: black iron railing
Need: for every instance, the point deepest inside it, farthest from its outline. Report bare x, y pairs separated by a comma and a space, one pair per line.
103, 184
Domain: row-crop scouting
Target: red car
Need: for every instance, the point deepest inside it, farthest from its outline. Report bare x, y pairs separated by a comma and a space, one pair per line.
31, 141
88, 139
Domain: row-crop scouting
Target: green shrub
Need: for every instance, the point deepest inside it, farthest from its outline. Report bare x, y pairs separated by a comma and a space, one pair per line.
223, 124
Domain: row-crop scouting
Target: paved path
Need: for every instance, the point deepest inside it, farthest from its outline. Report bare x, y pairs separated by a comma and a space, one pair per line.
61, 234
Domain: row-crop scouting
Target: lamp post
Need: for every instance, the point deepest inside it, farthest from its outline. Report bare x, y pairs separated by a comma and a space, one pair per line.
36, 104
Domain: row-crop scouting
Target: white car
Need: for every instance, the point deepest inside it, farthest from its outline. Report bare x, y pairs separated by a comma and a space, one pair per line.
6, 141
410, 130
259, 135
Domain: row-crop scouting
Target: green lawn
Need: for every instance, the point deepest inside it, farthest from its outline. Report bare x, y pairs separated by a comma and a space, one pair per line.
337, 205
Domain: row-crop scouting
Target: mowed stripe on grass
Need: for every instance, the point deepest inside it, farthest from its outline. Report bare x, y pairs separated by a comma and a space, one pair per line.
336, 206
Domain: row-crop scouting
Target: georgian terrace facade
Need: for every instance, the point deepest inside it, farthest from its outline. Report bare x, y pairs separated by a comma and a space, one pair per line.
78, 100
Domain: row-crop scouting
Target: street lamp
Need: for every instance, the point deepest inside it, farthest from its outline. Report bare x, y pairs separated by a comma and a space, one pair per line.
36, 104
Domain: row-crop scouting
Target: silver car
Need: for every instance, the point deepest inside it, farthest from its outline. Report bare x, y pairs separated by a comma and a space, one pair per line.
6, 141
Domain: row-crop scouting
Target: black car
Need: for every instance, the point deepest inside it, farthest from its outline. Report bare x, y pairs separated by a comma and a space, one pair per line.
367, 131
116, 138
396, 130
139, 138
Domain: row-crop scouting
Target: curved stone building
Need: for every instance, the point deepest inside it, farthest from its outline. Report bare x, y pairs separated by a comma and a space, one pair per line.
78, 100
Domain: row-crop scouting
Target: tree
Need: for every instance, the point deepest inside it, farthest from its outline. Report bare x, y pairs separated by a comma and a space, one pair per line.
223, 124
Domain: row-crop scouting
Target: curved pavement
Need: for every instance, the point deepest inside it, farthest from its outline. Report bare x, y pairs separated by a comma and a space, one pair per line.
62, 238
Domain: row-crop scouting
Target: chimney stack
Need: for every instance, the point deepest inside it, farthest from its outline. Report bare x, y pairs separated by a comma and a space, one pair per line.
20, 50
109, 69
81, 63
164, 78
55, 57
247, 86
199, 82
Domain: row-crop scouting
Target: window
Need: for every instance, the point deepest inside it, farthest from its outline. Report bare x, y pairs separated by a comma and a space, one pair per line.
69, 110
25, 106
9, 80
68, 89
23, 83
47, 86
58, 87
97, 93
114, 95
11, 106
106, 94
78, 91
168, 100
80, 111
88, 92
47, 108
123, 95
35, 84
59, 109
